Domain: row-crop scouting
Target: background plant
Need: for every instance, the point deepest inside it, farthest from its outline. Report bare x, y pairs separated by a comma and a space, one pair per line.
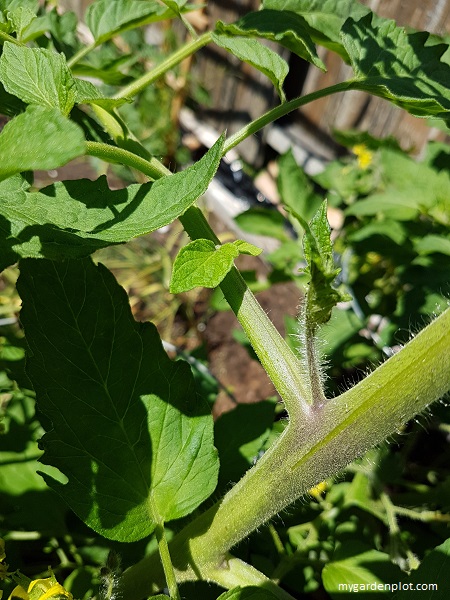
110, 400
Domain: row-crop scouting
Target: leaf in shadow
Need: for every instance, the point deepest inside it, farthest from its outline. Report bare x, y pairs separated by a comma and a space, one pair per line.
132, 439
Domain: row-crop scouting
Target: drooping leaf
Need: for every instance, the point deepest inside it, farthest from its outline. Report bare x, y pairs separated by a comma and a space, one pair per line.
259, 56
129, 433
106, 19
405, 68
37, 76
202, 263
295, 189
39, 138
286, 28
71, 219
31, 5
324, 17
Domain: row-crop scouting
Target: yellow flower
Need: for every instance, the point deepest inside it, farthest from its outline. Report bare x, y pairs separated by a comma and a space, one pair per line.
317, 491
41, 589
364, 156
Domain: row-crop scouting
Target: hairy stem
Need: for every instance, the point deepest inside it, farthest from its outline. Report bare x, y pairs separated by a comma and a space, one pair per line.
276, 357
335, 434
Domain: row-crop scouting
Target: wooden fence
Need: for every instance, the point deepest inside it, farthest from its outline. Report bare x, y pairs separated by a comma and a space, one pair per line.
240, 93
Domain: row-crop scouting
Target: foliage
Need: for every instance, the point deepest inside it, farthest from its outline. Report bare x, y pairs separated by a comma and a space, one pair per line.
121, 433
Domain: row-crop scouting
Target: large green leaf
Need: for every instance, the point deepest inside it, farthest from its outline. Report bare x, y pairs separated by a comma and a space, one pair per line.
71, 219
202, 263
106, 19
259, 56
288, 29
39, 138
129, 433
404, 68
324, 17
37, 76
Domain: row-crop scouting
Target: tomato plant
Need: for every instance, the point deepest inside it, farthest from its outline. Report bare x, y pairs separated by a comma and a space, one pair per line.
128, 442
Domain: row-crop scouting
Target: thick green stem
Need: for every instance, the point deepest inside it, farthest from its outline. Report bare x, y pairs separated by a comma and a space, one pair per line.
174, 59
335, 434
276, 357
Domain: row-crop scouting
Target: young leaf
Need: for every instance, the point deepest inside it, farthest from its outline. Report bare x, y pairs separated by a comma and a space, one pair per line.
129, 433
71, 219
106, 19
259, 56
20, 19
37, 76
202, 263
321, 296
324, 17
288, 29
39, 138
404, 68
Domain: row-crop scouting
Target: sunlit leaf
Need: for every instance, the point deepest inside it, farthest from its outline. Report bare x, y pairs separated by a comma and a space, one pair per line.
129, 433
39, 138
73, 218
37, 76
106, 19
288, 29
405, 68
202, 263
324, 17
259, 56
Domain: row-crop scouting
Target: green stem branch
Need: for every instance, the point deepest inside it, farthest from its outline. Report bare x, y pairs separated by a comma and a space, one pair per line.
141, 83
167, 562
276, 357
280, 111
337, 433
